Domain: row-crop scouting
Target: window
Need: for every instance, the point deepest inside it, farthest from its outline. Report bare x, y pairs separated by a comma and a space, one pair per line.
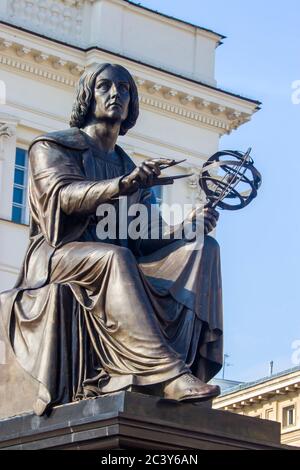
288, 416
19, 206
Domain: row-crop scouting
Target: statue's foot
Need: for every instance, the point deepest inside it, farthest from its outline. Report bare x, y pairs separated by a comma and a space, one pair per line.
188, 388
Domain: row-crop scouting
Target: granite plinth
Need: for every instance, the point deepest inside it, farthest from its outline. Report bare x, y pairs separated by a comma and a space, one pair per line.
129, 420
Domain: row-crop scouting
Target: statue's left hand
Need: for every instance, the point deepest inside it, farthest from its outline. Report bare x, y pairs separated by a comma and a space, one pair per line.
210, 215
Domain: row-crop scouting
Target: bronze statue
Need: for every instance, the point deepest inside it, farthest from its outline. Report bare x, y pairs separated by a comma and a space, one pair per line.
88, 317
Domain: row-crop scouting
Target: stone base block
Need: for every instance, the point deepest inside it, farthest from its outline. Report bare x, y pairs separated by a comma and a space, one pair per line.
128, 420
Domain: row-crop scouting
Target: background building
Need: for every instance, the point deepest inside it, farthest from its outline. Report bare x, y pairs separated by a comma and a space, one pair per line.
44, 47
276, 398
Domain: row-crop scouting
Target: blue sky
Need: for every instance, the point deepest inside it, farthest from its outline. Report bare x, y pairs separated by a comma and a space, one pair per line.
260, 245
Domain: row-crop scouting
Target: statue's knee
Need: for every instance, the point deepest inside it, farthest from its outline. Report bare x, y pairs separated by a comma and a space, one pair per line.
121, 253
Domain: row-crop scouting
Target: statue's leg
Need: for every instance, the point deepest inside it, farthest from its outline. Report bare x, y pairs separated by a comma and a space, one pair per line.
190, 313
122, 321
124, 329
209, 353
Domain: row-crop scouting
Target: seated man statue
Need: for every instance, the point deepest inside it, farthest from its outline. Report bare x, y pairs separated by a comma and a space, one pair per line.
89, 316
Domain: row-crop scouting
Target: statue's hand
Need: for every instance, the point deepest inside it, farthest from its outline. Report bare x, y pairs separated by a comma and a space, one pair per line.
143, 175
211, 217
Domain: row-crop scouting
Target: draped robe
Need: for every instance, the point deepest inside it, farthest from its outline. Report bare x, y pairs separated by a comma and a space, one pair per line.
90, 316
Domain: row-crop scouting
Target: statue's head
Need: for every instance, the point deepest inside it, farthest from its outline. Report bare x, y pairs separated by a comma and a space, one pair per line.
106, 91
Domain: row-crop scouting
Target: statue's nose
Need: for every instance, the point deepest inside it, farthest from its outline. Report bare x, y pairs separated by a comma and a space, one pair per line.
114, 90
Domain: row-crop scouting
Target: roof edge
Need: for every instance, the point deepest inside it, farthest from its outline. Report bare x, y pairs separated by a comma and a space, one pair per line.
156, 12
245, 385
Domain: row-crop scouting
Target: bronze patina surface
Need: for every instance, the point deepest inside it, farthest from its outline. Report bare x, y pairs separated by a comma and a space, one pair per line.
88, 316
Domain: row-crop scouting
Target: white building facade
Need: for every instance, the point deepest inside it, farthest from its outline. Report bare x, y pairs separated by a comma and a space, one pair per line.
44, 47
275, 398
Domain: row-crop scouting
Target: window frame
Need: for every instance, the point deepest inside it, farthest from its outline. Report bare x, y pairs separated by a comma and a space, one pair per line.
285, 416
268, 413
23, 187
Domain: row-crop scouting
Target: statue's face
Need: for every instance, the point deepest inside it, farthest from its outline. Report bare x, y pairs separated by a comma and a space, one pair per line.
111, 96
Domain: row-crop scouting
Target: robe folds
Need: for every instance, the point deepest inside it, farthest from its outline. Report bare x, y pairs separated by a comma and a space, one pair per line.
90, 316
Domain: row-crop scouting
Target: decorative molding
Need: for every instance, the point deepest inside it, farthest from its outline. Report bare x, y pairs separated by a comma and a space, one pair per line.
7, 131
37, 71
202, 104
140, 81
76, 69
185, 99
4, 44
183, 112
39, 57
188, 106
193, 181
260, 392
193, 184
58, 63
60, 70
170, 93
153, 88
22, 51
52, 61
216, 110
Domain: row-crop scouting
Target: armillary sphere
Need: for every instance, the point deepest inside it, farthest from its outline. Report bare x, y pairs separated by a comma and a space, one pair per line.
230, 180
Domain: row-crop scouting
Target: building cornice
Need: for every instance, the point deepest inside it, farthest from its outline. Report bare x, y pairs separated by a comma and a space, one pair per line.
195, 102
259, 393
69, 47
181, 112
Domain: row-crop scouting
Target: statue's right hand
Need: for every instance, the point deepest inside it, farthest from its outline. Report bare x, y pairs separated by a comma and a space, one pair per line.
143, 175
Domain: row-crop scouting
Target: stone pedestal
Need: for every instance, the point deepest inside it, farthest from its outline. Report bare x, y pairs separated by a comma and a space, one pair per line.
128, 420
18, 390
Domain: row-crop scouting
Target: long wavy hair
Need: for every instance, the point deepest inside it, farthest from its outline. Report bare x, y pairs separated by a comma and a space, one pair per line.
85, 93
